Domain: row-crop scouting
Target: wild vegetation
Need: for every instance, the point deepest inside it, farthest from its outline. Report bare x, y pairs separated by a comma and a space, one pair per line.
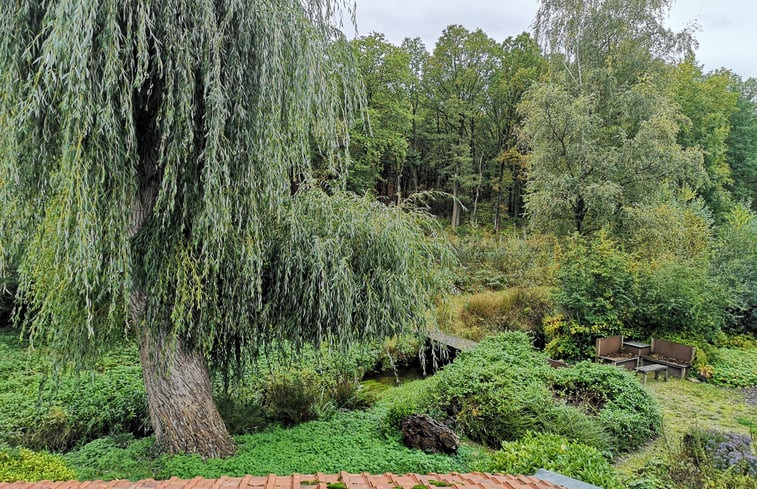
534, 194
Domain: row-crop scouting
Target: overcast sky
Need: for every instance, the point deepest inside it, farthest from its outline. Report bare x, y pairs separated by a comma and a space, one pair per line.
727, 35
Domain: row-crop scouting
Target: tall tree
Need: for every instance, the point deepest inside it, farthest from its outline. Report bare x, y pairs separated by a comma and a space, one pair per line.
603, 131
742, 141
380, 149
155, 185
455, 77
708, 103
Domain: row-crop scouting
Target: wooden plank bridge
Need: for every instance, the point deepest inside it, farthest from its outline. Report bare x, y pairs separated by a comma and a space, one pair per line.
450, 341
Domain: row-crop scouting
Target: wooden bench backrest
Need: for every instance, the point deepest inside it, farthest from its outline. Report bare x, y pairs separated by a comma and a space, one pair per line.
683, 353
609, 345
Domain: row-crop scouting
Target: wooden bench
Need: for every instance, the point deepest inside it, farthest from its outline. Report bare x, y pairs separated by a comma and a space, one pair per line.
656, 368
678, 357
611, 350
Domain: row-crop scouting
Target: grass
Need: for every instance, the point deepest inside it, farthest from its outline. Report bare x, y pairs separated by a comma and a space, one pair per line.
686, 405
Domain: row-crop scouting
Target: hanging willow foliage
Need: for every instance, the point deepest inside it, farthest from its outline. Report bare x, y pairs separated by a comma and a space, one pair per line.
163, 147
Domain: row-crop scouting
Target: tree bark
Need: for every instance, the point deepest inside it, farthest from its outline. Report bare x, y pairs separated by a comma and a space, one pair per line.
180, 398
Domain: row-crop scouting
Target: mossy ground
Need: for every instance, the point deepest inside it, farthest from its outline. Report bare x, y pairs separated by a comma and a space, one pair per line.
686, 405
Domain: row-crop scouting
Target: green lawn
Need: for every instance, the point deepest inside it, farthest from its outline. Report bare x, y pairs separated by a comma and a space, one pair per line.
687, 405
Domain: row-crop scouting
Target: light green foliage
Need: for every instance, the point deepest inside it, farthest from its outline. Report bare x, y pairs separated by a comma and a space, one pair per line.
349, 442
27, 466
624, 409
734, 367
504, 388
709, 104
202, 120
114, 457
558, 454
38, 412
602, 131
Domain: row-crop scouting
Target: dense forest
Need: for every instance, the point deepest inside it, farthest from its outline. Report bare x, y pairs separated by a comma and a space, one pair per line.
560, 131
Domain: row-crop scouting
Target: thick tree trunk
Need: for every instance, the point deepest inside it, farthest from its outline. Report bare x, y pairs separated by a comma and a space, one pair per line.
180, 398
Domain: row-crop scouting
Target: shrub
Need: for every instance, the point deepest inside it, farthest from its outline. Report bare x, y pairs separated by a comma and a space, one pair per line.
292, 397
556, 453
28, 466
114, 457
595, 294
679, 297
504, 388
736, 263
514, 309
627, 412
496, 262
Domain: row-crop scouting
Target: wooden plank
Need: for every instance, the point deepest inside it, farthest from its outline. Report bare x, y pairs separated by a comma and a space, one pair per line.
454, 342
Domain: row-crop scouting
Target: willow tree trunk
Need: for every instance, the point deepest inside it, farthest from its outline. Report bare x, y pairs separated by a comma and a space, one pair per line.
180, 398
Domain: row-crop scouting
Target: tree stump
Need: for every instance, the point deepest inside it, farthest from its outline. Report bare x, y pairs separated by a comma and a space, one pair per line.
429, 435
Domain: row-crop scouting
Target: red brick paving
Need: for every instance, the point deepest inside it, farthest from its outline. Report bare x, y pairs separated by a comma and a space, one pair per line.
315, 481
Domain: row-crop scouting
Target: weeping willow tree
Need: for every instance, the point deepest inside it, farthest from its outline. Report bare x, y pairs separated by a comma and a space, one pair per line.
156, 186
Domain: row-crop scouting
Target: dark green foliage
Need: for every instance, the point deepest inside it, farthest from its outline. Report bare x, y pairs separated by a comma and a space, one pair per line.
678, 297
42, 411
596, 295
27, 466
595, 282
556, 453
736, 265
626, 411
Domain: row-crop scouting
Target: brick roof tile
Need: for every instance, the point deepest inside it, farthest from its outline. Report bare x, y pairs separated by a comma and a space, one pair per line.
475, 480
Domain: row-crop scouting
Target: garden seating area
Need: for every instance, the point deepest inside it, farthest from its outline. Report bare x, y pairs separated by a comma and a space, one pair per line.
660, 355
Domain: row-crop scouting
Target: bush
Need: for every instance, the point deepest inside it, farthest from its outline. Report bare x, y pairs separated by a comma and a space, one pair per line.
504, 388
496, 262
115, 457
28, 466
514, 309
596, 293
679, 297
627, 412
556, 453
705, 460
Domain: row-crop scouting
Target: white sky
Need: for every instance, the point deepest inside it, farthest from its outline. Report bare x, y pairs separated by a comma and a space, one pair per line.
727, 35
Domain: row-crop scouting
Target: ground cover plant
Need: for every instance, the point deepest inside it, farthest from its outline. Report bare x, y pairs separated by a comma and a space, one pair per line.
558, 454
349, 440
42, 409
29, 466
